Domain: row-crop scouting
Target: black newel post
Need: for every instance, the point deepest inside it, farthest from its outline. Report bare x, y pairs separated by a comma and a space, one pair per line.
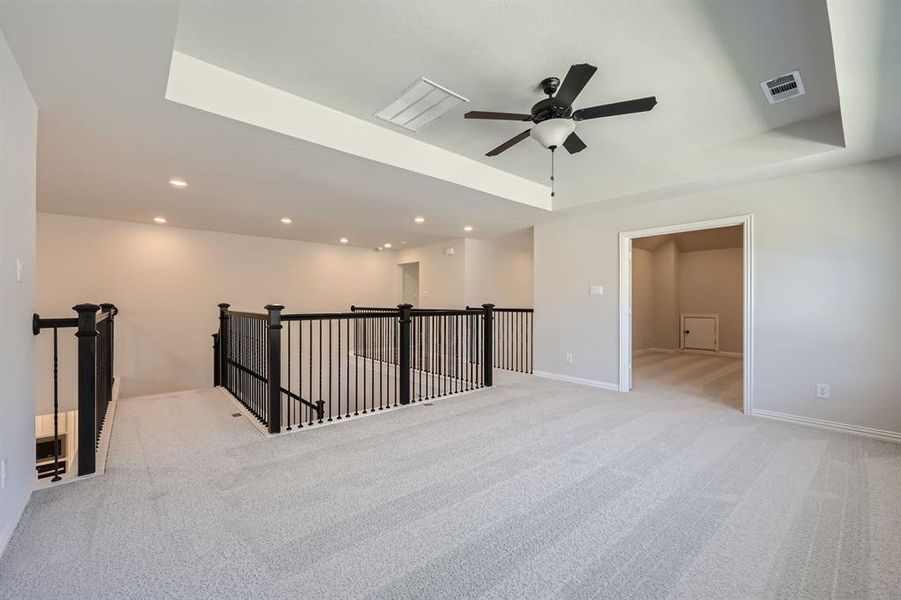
87, 387
404, 341
275, 367
221, 365
488, 348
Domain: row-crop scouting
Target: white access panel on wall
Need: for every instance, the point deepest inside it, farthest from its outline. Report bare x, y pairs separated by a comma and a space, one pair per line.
700, 332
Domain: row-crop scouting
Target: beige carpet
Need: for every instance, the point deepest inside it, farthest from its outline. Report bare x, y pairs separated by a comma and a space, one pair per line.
714, 377
532, 489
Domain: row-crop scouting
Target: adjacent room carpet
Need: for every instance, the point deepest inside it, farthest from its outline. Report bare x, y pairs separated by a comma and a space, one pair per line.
532, 489
712, 376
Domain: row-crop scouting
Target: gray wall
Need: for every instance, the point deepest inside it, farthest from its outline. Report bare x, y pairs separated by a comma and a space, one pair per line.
827, 269
665, 300
18, 147
710, 282
642, 299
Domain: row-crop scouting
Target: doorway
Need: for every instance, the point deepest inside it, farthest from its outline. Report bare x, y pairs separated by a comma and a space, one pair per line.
410, 283
686, 310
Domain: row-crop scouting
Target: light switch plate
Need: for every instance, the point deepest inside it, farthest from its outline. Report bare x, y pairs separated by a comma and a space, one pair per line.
18, 270
596, 290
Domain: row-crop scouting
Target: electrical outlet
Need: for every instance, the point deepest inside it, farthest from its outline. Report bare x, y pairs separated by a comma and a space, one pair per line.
569, 358
2, 473
823, 390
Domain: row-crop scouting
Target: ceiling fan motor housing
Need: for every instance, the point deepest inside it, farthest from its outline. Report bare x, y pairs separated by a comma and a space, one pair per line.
551, 133
549, 108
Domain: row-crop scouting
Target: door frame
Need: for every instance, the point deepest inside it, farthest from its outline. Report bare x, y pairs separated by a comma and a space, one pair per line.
625, 295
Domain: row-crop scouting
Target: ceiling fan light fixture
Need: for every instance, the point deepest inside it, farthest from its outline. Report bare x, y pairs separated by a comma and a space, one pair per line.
553, 132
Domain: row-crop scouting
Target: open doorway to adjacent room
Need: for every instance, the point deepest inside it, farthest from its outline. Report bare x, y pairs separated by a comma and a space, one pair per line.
409, 276
685, 311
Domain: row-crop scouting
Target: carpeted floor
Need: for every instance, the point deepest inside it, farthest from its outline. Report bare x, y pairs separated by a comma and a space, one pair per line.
714, 377
532, 489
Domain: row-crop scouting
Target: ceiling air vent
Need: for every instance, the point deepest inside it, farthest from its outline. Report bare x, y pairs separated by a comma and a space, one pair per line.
783, 87
419, 105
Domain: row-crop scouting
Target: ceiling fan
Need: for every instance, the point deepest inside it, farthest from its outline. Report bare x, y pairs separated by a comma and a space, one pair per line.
554, 117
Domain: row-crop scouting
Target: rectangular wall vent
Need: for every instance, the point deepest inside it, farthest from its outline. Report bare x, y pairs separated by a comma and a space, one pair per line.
419, 105
783, 87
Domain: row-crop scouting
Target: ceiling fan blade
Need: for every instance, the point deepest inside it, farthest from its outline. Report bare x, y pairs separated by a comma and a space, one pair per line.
500, 116
574, 143
509, 143
617, 108
573, 83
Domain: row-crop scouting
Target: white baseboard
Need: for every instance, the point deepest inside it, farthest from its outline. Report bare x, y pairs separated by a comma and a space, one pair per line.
881, 434
578, 380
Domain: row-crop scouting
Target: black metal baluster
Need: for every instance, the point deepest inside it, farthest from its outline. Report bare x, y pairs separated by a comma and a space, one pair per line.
357, 368
420, 334
445, 363
339, 370
431, 357
379, 323
330, 370
347, 370
300, 374
511, 331
365, 324
319, 400
56, 476
519, 340
288, 398
310, 373
372, 364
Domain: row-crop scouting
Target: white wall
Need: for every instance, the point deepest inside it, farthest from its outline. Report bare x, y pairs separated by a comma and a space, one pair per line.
479, 271
18, 148
710, 282
499, 274
827, 269
441, 277
167, 282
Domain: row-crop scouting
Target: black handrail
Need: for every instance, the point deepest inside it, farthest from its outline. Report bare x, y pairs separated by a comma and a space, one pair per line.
96, 351
372, 357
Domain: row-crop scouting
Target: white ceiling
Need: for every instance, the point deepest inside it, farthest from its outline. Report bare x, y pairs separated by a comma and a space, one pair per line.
703, 61
109, 140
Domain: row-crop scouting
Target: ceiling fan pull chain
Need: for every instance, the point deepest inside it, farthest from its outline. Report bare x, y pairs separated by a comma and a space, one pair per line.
552, 172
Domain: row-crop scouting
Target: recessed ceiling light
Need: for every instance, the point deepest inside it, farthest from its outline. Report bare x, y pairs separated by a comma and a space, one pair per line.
159, 220
467, 228
286, 220
178, 183
387, 244
419, 220
379, 248
343, 240
403, 243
